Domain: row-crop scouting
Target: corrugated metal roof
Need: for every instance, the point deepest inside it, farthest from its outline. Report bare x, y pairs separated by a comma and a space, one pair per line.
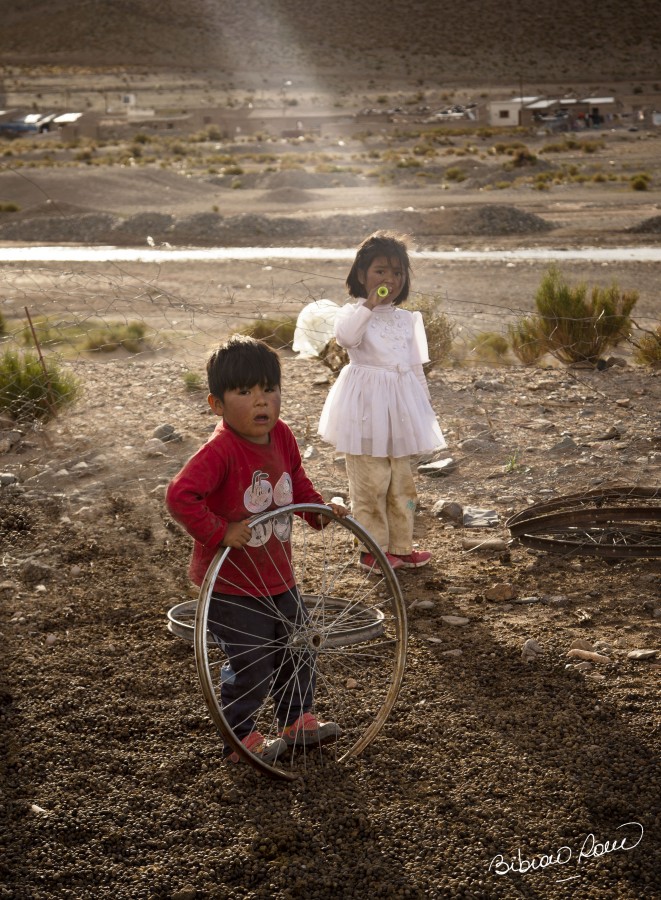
66, 118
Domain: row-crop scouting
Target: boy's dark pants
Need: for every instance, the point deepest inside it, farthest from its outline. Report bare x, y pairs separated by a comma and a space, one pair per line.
253, 633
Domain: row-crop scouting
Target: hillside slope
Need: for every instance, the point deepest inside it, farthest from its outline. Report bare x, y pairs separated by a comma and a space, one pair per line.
475, 41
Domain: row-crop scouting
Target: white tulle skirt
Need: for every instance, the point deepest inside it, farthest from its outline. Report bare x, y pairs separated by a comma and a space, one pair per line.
371, 411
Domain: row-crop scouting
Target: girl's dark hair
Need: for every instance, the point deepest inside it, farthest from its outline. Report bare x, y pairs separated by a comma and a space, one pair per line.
381, 243
242, 362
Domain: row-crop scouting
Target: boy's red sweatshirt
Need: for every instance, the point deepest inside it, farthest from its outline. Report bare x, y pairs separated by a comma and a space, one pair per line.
230, 479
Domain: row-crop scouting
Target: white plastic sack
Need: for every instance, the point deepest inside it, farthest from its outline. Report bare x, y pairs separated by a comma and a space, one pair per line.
315, 326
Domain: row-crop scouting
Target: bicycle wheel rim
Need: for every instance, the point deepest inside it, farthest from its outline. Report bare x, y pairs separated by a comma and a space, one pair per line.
355, 626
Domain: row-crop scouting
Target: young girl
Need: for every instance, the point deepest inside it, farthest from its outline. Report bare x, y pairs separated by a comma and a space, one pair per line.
378, 412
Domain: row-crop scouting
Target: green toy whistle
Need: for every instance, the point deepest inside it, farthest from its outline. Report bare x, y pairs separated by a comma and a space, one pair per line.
382, 291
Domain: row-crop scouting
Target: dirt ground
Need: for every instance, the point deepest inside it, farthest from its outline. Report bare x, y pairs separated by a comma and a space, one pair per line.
112, 771
495, 777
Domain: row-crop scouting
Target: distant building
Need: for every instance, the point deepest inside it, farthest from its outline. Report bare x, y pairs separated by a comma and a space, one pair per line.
556, 113
509, 112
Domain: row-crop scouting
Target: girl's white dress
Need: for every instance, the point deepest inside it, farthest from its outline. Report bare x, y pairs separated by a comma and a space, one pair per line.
379, 405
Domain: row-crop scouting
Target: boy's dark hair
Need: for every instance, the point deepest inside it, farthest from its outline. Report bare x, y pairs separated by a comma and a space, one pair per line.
242, 362
381, 243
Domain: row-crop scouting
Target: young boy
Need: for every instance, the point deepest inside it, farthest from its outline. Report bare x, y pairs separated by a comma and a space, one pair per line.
251, 464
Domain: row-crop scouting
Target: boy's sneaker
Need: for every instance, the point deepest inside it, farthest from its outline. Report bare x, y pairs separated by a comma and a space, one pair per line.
307, 729
368, 562
268, 749
414, 559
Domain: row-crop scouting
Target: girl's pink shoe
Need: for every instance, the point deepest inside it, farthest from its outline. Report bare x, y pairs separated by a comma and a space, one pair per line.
414, 559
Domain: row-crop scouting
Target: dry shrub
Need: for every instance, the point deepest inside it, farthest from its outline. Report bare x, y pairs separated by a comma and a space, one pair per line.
277, 333
525, 340
491, 347
334, 356
648, 348
438, 327
575, 326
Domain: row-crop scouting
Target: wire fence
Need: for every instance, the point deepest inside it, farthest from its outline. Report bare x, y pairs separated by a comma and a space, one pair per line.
134, 340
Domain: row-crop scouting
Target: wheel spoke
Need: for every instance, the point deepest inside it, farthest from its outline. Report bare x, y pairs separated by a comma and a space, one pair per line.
347, 637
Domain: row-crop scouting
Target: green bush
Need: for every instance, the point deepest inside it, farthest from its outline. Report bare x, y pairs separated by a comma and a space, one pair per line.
521, 158
30, 391
454, 173
640, 181
491, 346
574, 326
114, 336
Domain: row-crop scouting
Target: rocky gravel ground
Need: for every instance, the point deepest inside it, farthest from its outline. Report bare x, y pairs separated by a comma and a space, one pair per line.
508, 767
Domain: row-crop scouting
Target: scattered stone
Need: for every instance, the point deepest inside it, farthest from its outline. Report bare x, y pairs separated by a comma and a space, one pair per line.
422, 604
623, 401
501, 591
86, 512
10, 439
34, 572
530, 650
351, 684
38, 810
455, 620
590, 656
566, 445
526, 600
188, 892
167, 434
542, 425
477, 445
310, 452
163, 432
489, 384
612, 434
484, 544
452, 653
153, 448
438, 468
642, 654
8, 478
50, 640
582, 644
449, 510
